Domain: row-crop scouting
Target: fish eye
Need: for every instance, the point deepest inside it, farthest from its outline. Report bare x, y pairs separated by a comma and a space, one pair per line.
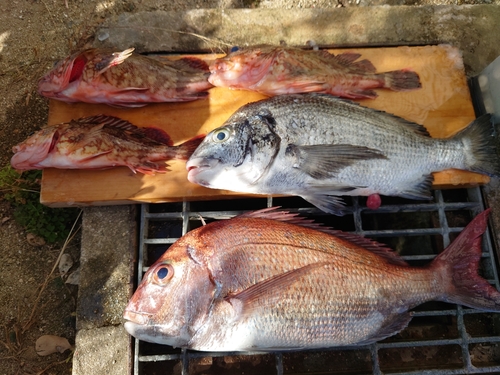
234, 49
163, 273
221, 135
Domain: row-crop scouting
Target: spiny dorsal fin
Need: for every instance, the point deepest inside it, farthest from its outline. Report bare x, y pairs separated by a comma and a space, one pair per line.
348, 59
155, 134
380, 249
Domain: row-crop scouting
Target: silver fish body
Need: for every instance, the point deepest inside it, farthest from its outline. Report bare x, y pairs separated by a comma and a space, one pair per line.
320, 147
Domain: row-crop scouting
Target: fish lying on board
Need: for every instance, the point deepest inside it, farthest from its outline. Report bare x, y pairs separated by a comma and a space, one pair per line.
273, 70
100, 142
319, 147
268, 281
125, 79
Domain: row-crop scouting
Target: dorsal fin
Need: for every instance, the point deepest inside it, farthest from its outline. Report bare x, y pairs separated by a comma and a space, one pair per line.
155, 134
378, 248
348, 59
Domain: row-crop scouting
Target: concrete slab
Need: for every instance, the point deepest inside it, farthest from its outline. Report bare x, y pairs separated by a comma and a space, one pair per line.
108, 250
109, 244
469, 27
104, 350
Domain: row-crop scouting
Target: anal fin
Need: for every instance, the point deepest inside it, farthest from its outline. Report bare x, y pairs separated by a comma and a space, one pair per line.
421, 189
391, 326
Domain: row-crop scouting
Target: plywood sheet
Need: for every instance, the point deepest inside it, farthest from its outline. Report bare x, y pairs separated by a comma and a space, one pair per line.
443, 106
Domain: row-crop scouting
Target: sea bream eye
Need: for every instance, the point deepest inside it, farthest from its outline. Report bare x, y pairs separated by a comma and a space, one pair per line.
163, 273
221, 135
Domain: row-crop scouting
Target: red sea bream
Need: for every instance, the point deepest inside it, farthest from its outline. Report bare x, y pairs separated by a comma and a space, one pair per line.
268, 280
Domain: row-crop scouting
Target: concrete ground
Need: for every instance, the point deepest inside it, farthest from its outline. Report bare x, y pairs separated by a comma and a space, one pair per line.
102, 345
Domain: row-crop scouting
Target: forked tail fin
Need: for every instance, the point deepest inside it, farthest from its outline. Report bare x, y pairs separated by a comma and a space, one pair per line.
459, 266
479, 144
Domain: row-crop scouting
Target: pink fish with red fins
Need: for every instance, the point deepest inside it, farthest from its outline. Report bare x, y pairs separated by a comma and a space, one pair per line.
125, 79
269, 281
273, 70
100, 142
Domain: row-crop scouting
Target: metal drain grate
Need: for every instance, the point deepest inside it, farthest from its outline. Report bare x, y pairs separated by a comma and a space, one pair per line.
441, 338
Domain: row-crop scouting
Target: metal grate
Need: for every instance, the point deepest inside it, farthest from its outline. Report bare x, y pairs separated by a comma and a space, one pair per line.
441, 338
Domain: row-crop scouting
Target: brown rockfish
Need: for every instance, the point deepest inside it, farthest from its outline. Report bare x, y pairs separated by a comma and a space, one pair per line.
100, 142
125, 79
319, 147
273, 70
268, 281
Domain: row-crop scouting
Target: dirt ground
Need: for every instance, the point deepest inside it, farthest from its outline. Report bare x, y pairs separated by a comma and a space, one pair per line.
34, 34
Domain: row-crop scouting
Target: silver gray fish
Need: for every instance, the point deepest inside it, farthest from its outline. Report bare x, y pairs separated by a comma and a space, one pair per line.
267, 280
319, 147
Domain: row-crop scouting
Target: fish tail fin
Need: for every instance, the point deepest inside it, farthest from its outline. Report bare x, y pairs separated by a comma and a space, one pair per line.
185, 149
458, 266
401, 80
479, 146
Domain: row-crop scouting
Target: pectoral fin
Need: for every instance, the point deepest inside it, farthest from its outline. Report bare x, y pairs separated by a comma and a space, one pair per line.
322, 161
267, 292
112, 60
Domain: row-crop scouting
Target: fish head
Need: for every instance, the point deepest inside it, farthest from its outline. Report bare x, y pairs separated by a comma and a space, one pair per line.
174, 297
242, 68
236, 155
64, 73
34, 150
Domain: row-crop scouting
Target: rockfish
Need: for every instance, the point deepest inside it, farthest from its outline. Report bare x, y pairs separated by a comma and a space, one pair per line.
320, 147
100, 142
274, 70
125, 79
264, 281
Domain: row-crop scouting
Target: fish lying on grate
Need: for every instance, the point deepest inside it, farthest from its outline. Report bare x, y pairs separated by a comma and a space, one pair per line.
268, 280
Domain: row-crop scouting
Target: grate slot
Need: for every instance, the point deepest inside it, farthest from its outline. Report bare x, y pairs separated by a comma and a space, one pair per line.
370, 359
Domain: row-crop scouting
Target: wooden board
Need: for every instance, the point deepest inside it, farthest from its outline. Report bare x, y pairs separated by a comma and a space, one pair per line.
443, 106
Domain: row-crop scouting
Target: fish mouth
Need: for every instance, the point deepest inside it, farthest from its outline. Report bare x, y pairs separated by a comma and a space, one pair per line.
197, 166
155, 334
136, 317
